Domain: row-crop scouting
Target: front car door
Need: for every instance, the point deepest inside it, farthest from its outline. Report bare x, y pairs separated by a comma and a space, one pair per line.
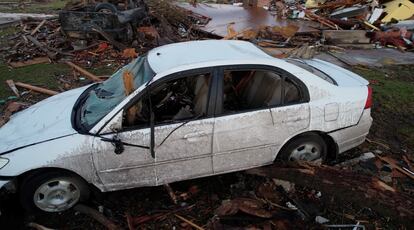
183, 125
183, 134
132, 166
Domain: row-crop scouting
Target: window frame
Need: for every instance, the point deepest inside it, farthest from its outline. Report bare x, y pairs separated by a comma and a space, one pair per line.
303, 90
173, 76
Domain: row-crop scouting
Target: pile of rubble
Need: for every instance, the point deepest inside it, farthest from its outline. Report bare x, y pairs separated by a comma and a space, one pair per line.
351, 23
79, 30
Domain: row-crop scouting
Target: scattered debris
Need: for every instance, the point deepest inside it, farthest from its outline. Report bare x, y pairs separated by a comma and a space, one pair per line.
84, 72
366, 190
96, 216
36, 88
12, 86
34, 61
10, 109
189, 222
38, 226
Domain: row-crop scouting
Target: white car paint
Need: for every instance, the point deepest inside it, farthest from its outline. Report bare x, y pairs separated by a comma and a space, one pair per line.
224, 148
54, 113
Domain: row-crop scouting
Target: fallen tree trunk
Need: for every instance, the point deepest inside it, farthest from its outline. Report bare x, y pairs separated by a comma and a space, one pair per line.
346, 186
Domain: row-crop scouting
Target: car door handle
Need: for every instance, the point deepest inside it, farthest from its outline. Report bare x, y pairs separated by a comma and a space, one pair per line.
195, 134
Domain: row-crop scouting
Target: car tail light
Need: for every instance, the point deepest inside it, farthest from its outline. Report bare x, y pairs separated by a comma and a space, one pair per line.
368, 103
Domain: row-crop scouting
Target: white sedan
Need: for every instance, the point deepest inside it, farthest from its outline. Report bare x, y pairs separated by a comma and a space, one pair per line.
182, 111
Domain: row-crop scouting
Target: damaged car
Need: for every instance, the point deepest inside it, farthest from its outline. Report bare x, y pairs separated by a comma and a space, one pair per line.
92, 20
181, 111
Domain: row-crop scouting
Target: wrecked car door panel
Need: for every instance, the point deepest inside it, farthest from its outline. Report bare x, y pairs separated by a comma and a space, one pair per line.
183, 131
289, 121
124, 158
133, 167
243, 131
186, 153
243, 140
294, 116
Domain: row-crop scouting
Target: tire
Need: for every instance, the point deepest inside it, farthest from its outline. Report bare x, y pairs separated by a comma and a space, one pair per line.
129, 32
52, 192
105, 7
308, 147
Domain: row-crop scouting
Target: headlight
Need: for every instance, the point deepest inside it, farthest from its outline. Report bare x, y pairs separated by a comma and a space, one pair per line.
3, 162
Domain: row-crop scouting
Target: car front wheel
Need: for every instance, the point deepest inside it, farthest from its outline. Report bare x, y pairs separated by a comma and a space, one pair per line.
310, 147
53, 192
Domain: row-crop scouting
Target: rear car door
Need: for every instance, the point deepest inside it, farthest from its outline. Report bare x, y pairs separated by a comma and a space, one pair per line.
292, 117
244, 134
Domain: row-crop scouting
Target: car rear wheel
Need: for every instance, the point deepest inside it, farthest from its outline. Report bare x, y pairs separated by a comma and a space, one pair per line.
53, 192
309, 147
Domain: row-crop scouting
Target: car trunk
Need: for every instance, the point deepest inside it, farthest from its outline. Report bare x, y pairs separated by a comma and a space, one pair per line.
339, 75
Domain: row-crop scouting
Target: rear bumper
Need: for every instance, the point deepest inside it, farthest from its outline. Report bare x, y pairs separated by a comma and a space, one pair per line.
351, 137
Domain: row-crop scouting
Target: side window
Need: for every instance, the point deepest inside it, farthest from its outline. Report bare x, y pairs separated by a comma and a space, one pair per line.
292, 92
179, 99
250, 89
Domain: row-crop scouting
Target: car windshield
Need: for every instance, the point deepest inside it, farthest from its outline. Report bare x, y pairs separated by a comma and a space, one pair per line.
108, 94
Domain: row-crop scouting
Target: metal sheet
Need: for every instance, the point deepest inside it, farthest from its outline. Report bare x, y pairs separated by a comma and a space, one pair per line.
243, 18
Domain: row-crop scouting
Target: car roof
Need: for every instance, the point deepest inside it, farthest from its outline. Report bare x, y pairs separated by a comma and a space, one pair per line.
174, 55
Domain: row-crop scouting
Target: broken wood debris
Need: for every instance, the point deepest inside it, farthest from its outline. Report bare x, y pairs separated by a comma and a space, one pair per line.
96, 216
36, 88
366, 190
84, 72
38, 27
12, 86
189, 222
34, 61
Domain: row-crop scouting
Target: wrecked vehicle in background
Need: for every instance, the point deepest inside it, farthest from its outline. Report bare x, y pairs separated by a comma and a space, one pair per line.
182, 111
103, 18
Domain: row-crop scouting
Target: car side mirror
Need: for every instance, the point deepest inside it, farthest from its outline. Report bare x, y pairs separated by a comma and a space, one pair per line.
119, 145
116, 142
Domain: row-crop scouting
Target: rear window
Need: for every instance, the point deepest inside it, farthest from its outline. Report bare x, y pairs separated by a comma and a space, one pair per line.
311, 69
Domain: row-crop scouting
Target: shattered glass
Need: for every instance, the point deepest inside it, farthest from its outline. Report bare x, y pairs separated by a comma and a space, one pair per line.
108, 94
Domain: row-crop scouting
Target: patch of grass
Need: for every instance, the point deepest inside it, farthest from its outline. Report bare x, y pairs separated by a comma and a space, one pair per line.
40, 75
38, 7
389, 89
393, 108
44, 75
4, 32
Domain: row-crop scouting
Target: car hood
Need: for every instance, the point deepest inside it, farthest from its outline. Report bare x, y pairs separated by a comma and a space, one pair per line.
46, 120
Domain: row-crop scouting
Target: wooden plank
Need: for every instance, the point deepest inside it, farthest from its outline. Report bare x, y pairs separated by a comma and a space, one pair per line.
38, 27
84, 72
36, 88
12, 86
33, 61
